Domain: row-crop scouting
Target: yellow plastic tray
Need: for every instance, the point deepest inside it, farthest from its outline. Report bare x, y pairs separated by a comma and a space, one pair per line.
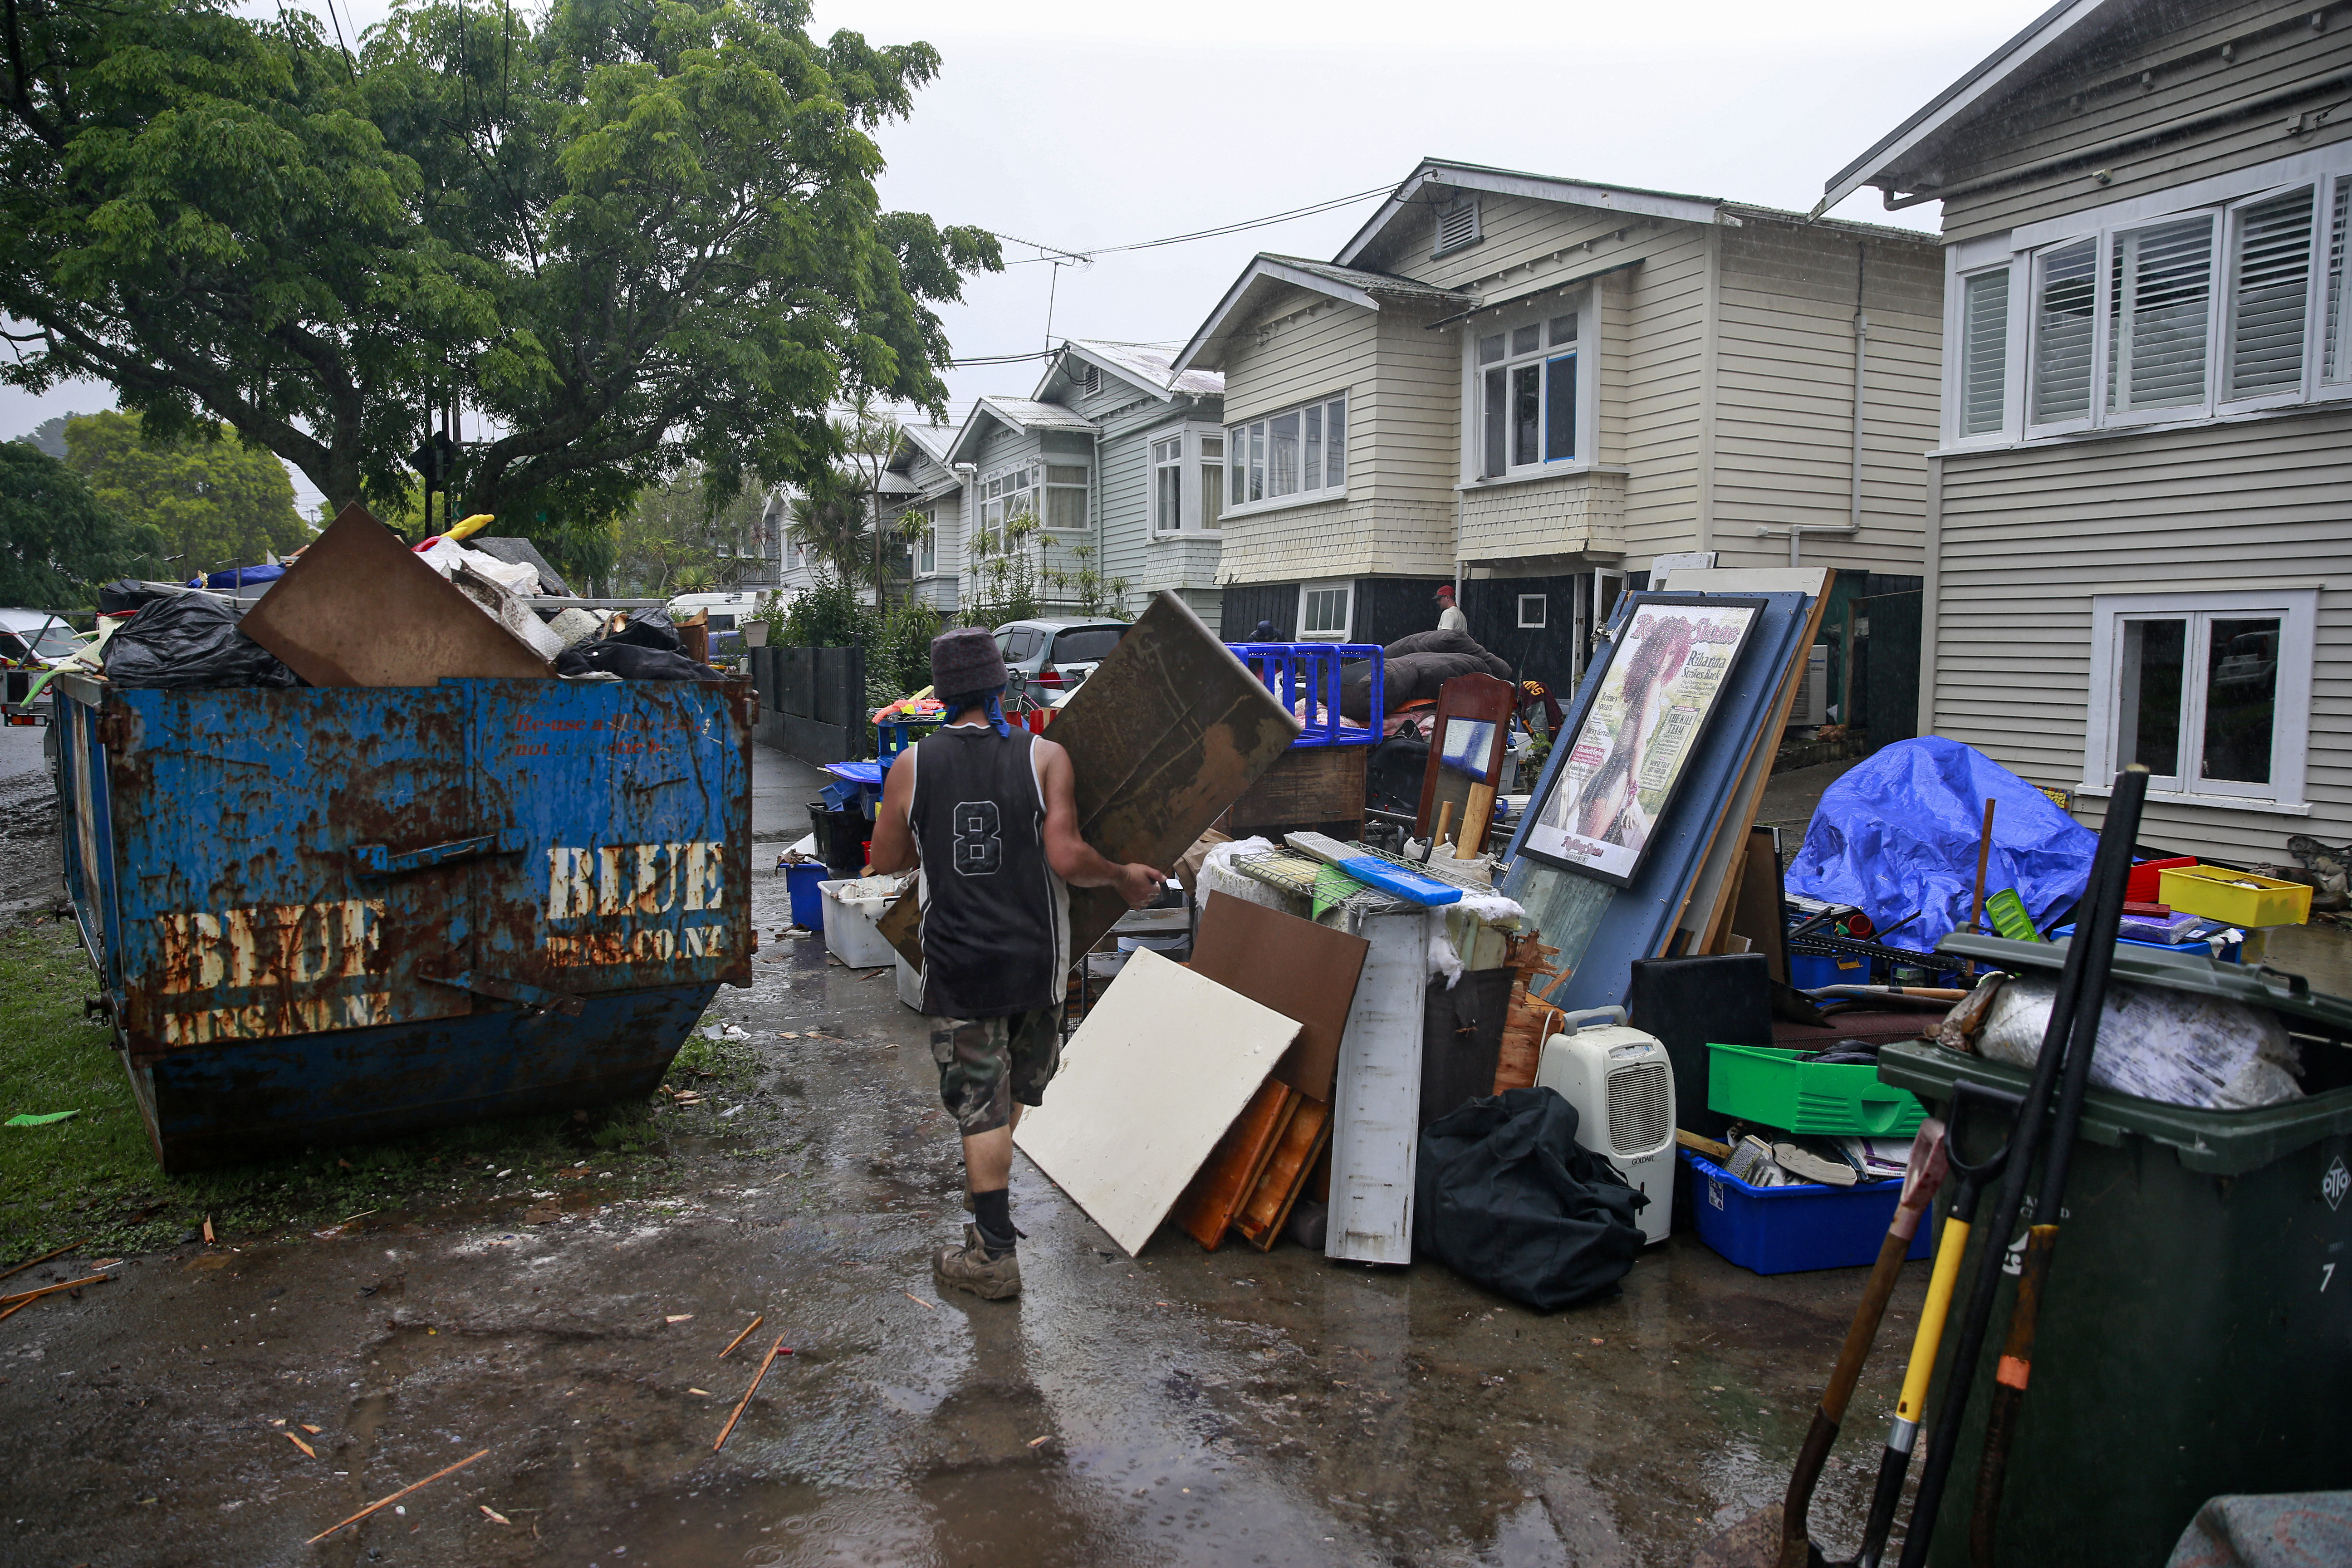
2214, 892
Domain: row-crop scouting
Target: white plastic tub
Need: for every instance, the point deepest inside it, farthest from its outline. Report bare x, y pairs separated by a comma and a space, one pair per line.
852, 908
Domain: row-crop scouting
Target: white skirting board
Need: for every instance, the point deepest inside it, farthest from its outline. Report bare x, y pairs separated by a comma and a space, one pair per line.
1376, 1108
1157, 1070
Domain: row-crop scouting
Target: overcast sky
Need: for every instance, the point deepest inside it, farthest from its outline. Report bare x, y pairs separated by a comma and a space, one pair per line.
1083, 125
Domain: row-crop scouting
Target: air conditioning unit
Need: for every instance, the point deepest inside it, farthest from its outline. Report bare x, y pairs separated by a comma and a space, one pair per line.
1622, 1087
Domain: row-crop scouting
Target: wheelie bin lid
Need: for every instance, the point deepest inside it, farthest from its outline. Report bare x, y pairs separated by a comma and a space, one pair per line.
2257, 986
2224, 1143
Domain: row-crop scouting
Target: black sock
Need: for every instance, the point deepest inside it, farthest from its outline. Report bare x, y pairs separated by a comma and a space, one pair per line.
991, 1214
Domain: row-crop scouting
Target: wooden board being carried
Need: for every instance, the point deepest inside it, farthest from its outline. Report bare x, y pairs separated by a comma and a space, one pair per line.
1160, 1068
1164, 735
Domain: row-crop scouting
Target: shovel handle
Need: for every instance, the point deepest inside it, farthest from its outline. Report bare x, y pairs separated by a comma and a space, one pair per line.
1823, 1431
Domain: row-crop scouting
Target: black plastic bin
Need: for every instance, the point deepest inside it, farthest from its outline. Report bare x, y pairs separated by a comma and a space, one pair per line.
2197, 1336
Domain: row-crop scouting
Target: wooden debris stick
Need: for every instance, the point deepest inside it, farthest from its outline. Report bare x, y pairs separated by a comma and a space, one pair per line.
768, 1361
394, 1498
44, 1258
23, 1296
918, 1302
298, 1442
746, 1334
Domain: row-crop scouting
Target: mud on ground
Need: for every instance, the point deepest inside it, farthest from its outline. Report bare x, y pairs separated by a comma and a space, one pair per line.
1183, 1407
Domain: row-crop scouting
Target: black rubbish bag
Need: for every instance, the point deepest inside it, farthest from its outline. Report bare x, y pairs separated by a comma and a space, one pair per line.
190, 640
1506, 1197
129, 593
649, 628
632, 662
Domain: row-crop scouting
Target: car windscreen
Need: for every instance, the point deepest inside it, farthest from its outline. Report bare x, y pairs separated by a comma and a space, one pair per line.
56, 641
1084, 645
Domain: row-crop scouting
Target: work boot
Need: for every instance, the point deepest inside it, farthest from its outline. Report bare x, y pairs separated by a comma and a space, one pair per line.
970, 1267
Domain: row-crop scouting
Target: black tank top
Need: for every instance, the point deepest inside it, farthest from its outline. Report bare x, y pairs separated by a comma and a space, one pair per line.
995, 917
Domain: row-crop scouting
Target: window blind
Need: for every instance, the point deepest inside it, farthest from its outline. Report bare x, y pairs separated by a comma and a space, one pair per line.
2157, 315
1984, 352
2270, 286
2061, 332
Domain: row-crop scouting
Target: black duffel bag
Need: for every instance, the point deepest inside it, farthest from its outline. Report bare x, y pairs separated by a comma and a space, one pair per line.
1508, 1198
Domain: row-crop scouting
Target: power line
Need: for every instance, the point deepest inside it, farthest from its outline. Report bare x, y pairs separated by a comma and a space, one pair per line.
1052, 252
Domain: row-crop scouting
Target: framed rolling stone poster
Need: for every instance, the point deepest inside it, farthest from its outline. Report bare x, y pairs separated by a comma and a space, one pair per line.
1628, 749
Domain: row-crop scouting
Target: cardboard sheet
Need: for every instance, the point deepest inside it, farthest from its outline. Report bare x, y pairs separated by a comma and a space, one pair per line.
1151, 1080
1301, 970
357, 608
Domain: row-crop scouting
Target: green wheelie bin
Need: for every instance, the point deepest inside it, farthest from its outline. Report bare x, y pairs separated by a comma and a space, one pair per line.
2197, 1334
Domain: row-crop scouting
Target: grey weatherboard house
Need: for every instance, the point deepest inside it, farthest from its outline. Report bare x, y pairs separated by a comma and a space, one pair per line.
1538, 387
2139, 523
1116, 458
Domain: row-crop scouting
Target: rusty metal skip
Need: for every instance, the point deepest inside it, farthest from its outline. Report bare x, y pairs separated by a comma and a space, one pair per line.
335, 913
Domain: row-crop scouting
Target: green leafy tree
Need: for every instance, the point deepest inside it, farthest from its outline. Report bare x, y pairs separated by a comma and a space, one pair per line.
217, 503
58, 540
631, 236
679, 539
831, 518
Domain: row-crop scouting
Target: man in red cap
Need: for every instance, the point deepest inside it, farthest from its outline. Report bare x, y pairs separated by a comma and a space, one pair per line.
1450, 619
989, 814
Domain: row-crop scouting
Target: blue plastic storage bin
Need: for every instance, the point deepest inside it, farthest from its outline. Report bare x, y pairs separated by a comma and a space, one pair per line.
1786, 1230
808, 904
1809, 970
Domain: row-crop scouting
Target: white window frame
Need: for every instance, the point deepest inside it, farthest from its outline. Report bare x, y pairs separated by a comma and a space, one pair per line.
927, 543
1238, 437
993, 490
2326, 367
1193, 461
1586, 427
1343, 586
1046, 484
2297, 610
1542, 602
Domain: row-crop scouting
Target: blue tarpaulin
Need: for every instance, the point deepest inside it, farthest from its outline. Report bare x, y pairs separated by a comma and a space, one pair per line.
237, 577
1899, 834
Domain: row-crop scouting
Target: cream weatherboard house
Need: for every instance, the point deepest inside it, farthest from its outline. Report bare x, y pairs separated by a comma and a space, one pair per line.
2139, 525
1116, 456
1543, 386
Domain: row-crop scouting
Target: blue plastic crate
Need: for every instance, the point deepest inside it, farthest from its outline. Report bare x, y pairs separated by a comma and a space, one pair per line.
1808, 970
1786, 1230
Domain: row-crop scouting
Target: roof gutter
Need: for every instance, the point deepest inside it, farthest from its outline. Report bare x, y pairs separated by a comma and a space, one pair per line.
1535, 293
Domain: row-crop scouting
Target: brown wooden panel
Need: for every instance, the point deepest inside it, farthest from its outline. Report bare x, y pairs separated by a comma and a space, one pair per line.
1230, 1173
1305, 787
1278, 1186
1301, 970
357, 608
1756, 913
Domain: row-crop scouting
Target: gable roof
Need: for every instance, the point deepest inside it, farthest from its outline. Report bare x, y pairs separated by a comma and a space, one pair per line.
1149, 369
1014, 414
933, 440
1903, 150
1268, 273
1448, 173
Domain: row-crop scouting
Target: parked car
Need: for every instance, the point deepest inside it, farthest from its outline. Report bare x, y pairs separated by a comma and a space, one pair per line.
36, 636
1056, 652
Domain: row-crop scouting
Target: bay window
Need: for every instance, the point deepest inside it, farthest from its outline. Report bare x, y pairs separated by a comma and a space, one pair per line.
1300, 454
1188, 478
1527, 413
2232, 304
1054, 494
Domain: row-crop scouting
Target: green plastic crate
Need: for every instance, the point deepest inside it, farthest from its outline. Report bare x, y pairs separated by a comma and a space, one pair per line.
1771, 1086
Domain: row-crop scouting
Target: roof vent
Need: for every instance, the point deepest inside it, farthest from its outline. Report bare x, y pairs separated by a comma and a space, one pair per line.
1089, 377
1457, 226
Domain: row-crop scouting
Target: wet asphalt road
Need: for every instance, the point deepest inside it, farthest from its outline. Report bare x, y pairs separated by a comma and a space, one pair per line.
1184, 1408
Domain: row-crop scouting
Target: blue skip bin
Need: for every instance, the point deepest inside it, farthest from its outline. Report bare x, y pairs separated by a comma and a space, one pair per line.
1786, 1230
328, 914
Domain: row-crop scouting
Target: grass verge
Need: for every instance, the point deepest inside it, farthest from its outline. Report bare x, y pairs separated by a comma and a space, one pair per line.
94, 1176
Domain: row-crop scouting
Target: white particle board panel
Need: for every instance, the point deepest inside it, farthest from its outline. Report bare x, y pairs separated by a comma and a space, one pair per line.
1376, 1106
1154, 1076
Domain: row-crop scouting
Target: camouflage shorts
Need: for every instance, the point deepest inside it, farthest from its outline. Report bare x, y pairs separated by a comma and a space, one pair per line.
986, 1064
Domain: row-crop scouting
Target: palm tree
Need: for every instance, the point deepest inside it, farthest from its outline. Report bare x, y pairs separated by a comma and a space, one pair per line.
831, 521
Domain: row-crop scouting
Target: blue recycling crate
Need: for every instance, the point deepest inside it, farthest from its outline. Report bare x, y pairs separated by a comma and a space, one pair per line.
328, 914
1787, 1230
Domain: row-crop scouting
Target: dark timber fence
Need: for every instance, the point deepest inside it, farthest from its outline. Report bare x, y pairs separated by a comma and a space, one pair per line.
812, 702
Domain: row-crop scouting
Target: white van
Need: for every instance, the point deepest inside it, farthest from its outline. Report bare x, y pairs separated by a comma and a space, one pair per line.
727, 610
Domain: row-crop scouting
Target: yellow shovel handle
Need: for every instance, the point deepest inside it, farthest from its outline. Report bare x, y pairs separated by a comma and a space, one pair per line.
1940, 1282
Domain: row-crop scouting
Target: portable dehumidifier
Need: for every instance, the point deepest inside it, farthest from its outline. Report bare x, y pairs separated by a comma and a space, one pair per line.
1622, 1087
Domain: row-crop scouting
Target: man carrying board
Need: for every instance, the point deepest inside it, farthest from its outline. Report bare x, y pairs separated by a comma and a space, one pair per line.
989, 814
